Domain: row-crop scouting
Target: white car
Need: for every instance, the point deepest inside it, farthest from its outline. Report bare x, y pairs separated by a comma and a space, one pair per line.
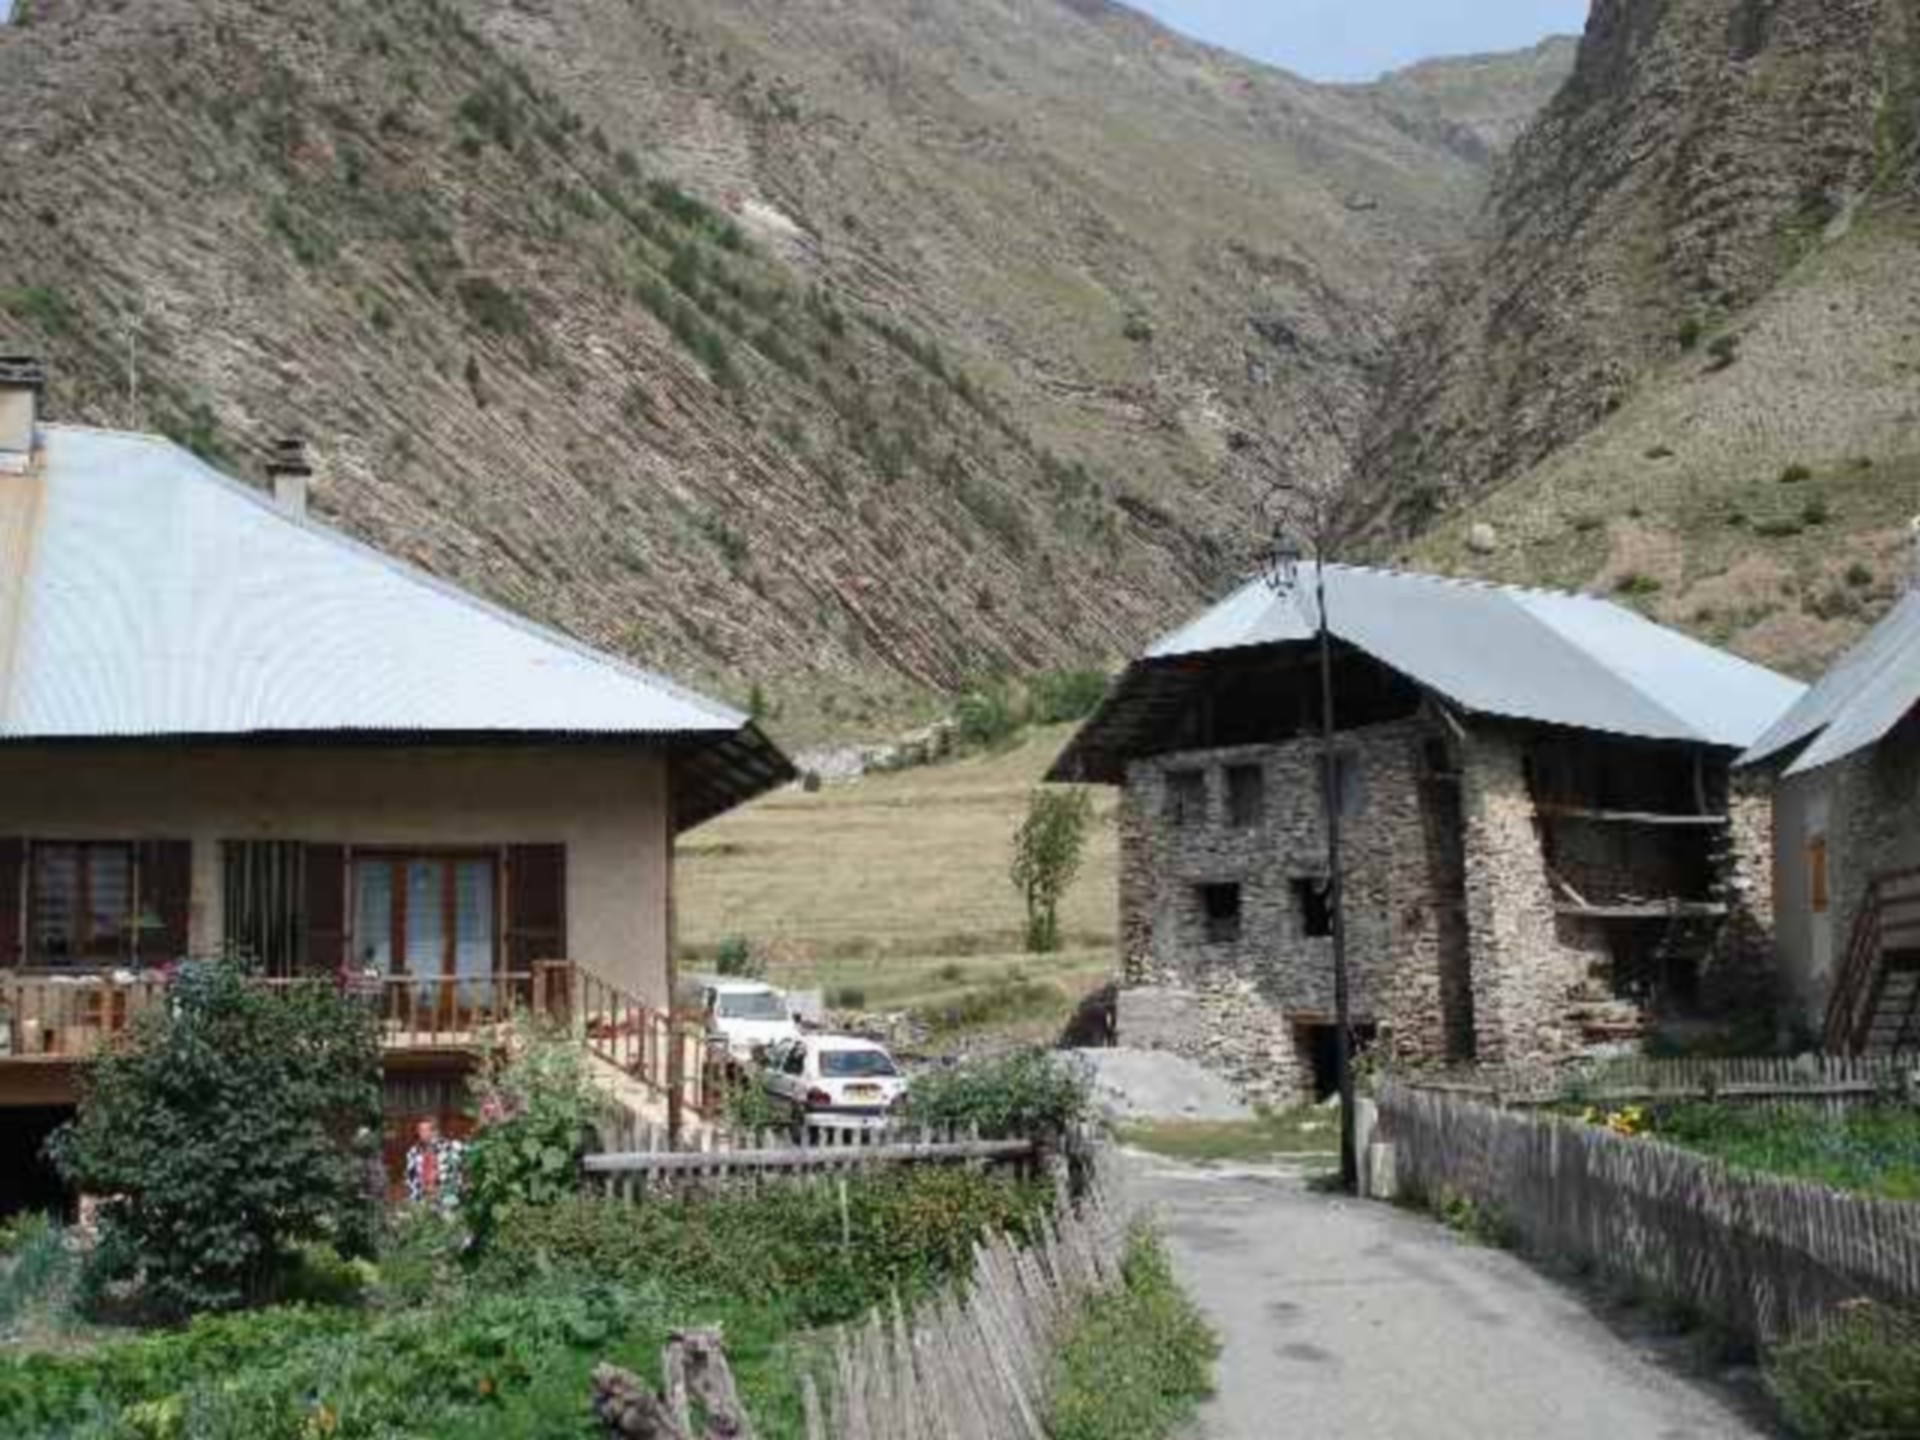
748, 1017
835, 1082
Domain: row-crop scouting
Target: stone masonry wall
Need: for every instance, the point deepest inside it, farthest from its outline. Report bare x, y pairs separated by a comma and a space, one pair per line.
1244, 996
1531, 968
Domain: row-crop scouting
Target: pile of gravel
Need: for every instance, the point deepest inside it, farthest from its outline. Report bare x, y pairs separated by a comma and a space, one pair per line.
1137, 1085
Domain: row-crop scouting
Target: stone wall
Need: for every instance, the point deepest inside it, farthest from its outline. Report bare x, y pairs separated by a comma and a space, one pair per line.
1246, 993
1531, 968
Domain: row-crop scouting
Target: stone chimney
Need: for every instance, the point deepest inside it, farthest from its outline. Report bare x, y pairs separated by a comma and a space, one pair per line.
23, 381
291, 475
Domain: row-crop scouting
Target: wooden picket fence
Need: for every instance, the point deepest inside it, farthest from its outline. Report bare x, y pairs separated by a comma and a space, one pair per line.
645, 1164
1771, 1258
976, 1364
1832, 1082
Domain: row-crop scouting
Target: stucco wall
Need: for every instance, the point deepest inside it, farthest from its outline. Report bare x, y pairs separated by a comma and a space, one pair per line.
607, 806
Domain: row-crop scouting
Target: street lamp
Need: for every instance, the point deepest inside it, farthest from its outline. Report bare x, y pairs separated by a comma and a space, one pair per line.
1284, 563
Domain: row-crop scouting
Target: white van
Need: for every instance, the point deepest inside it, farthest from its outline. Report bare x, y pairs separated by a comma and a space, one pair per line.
747, 1016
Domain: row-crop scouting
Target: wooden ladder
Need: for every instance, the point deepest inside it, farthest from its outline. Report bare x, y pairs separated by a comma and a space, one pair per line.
1875, 1005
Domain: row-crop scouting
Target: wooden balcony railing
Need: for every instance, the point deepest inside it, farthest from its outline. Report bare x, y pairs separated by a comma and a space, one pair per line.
55, 1017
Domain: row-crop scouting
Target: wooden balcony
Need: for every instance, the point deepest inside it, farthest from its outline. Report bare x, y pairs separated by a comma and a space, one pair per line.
53, 1023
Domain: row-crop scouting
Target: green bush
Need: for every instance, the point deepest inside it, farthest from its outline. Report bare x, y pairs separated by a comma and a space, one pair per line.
798, 1247
1725, 351
37, 1271
1816, 512
1138, 1362
1636, 586
492, 306
536, 1108
1059, 696
847, 997
735, 958
238, 1123
1047, 850
1859, 576
1032, 1093
45, 307
1859, 1381
1875, 1149
1689, 333
1795, 474
986, 719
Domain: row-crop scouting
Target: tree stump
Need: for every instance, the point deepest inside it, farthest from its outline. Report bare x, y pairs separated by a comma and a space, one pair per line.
695, 1372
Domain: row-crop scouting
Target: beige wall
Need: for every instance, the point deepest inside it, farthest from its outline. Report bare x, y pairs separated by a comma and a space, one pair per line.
607, 806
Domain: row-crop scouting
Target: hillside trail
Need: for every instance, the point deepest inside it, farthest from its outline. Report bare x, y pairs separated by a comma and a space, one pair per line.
1349, 1320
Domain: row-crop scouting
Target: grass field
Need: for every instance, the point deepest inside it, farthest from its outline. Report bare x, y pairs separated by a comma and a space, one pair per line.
893, 892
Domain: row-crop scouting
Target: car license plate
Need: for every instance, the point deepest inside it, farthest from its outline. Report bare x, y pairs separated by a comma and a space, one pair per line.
863, 1092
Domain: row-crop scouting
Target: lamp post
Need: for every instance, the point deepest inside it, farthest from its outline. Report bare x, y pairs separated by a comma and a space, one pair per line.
1284, 576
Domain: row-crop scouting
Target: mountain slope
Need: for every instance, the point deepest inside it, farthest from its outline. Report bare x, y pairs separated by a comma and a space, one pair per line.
855, 350
1679, 363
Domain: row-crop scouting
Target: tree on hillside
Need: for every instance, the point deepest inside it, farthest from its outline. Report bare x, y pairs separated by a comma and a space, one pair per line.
1046, 857
237, 1124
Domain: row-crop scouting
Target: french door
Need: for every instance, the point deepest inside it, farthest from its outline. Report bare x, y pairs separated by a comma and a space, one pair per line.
434, 920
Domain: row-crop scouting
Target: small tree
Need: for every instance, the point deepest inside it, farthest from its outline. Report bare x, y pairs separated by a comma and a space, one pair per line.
237, 1124
536, 1106
1046, 857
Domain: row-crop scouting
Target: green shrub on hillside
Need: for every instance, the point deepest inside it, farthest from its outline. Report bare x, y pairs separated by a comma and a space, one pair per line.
1795, 474
1057, 697
237, 1124
986, 718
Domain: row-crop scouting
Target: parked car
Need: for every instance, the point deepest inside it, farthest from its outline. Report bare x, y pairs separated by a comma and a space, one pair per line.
835, 1082
746, 1017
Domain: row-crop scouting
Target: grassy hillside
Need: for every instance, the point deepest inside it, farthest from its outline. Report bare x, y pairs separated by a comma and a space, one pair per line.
1758, 496
896, 886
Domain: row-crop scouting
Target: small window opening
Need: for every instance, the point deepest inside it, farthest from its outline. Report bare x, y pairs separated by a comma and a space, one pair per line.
1246, 796
1186, 797
1318, 1046
1817, 874
1313, 899
1220, 908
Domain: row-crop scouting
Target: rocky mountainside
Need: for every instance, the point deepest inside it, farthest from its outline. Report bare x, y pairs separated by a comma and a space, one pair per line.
848, 351
1680, 362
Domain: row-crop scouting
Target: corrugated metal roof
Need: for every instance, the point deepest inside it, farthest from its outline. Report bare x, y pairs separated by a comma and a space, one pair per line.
1524, 654
1497, 650
1869, 691
162, 599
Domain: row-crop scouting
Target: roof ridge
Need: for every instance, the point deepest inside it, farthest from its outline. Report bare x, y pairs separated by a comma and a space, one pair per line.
414, 574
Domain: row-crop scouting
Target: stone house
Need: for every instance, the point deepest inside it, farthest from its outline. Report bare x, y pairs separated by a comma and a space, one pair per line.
1845, 766
225, 726
1546, 849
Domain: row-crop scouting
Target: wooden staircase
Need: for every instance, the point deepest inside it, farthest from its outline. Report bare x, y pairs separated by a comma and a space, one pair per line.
1875, 1006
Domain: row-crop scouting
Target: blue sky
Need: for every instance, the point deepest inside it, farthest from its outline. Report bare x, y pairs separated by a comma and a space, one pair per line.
1358, 39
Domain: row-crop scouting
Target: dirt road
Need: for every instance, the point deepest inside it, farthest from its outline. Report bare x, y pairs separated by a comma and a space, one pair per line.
1344, 1320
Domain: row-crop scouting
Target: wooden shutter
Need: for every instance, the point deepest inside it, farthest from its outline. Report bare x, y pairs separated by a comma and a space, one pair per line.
536, 905
325, 907
13, 919
165, 869
1817, 874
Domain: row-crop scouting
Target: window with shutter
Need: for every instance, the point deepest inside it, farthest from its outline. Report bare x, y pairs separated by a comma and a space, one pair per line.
162, 916
13, 880
326, 909
536, 905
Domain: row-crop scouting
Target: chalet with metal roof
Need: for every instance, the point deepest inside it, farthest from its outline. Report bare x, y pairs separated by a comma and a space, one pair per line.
1846, 765
226, 727
1546, 849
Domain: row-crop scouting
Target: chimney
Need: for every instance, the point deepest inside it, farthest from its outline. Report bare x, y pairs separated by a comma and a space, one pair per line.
23, 380
291, 475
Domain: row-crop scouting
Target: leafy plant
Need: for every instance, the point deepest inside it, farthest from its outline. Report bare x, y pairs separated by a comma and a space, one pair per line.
1724, 352
1861, 1378
51, 310
1047, 851
236, 1124
735, 958
985, 719
1636, 586
536, 1107
1796, 474
1138, 1362
1031, 1093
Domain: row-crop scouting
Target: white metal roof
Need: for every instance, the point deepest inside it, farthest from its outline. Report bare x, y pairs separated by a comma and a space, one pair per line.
1493, 650
1523, 654
162, 599
1869, 691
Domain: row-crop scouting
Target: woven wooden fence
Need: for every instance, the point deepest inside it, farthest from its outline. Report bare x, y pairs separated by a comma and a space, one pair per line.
646, 1165
976, 1364
1771, 1258
1832, 1082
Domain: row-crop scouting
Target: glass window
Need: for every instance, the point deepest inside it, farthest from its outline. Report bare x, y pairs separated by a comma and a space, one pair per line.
856, 1065
752, 1005
1186, 797
80, 904
373, 916
438, 910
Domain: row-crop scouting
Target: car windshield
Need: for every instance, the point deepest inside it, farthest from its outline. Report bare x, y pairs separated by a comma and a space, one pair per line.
752, 1005
856, 1065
